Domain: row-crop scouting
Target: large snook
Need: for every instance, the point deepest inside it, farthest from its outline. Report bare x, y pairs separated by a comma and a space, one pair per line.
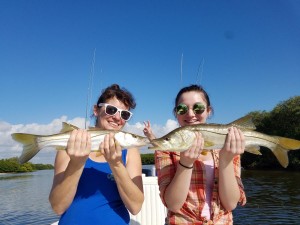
32, 143
214, 136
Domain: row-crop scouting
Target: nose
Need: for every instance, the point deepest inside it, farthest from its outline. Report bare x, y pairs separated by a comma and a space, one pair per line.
190, 112
118, 115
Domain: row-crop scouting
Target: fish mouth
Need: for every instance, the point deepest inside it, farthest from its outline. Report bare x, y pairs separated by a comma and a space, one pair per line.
154, 146
143, 142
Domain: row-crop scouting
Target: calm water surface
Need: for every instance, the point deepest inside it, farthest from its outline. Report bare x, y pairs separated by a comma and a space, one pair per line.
24, 198
273, 198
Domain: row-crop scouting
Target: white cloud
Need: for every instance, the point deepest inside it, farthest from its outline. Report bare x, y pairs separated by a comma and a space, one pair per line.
10, 148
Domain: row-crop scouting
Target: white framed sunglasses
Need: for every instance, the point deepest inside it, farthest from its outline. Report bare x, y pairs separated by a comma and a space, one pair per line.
112, 110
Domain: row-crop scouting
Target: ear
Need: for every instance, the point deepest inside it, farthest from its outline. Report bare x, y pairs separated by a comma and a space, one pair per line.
209, 111
96, 111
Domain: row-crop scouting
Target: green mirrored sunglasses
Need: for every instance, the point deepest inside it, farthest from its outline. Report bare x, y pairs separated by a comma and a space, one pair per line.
198, 108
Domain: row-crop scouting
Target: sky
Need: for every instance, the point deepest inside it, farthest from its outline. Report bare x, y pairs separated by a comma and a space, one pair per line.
57, 56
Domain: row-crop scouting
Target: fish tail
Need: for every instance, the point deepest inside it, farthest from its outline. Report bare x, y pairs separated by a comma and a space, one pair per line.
30, 146
282, 148
289, 143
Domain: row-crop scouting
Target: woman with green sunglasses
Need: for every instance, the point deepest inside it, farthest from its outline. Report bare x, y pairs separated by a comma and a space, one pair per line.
199, 188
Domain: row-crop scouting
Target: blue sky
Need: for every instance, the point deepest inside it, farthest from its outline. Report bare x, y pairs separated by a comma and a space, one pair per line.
245, 54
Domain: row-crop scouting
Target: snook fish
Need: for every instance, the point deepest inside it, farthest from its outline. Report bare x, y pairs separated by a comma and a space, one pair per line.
214, 136
32, 143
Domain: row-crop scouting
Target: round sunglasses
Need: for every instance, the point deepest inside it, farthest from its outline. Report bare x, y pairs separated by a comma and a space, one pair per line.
112, 110
198, 108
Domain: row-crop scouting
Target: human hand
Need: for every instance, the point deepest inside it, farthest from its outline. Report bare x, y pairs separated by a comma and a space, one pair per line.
234, 143
79, 145
148, 130
189, 156
111, 149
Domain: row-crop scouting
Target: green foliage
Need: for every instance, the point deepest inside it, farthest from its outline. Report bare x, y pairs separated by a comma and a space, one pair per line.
147, 159
286, 118
43, 166
12, 165
284, 121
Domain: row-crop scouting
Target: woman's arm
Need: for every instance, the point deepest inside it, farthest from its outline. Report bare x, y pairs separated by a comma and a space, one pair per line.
176, 192
129, 178
68, 168
148, 130
229, 189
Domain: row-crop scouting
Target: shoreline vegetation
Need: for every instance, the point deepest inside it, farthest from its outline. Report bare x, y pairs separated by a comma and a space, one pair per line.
283, 120
12, 165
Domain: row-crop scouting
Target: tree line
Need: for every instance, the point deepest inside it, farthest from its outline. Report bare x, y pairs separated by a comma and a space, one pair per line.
12, 165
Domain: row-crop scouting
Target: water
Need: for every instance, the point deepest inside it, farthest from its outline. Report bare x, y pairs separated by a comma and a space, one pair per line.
273, 198
24, 198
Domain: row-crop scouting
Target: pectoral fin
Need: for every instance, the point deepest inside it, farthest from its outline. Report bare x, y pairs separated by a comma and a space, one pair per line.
208, 144
254, 149
204, 152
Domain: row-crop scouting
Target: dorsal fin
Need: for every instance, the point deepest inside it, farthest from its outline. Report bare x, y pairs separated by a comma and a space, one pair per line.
244, 122
67, 127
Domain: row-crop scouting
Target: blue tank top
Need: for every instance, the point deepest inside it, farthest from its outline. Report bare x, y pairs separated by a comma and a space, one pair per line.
97, 200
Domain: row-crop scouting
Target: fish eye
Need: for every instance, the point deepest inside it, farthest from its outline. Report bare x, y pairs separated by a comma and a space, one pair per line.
167, 139
133, 135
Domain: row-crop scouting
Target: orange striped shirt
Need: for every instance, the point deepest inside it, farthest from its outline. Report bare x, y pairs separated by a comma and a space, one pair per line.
190, 213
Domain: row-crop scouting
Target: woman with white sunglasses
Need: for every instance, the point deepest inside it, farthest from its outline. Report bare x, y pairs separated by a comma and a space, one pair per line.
93, 188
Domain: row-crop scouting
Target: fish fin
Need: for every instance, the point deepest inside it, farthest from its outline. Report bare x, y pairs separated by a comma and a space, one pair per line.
98, 154
281, 155
254, 149
60, 148
208, 144
204, 152
68, 127
288, 143
244, 122
30, 146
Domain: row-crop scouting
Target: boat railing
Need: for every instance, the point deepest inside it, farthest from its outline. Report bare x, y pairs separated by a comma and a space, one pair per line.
153, 212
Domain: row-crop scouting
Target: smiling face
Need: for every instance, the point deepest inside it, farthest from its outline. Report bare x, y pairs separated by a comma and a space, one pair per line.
189, 99
110, 105
110, 122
